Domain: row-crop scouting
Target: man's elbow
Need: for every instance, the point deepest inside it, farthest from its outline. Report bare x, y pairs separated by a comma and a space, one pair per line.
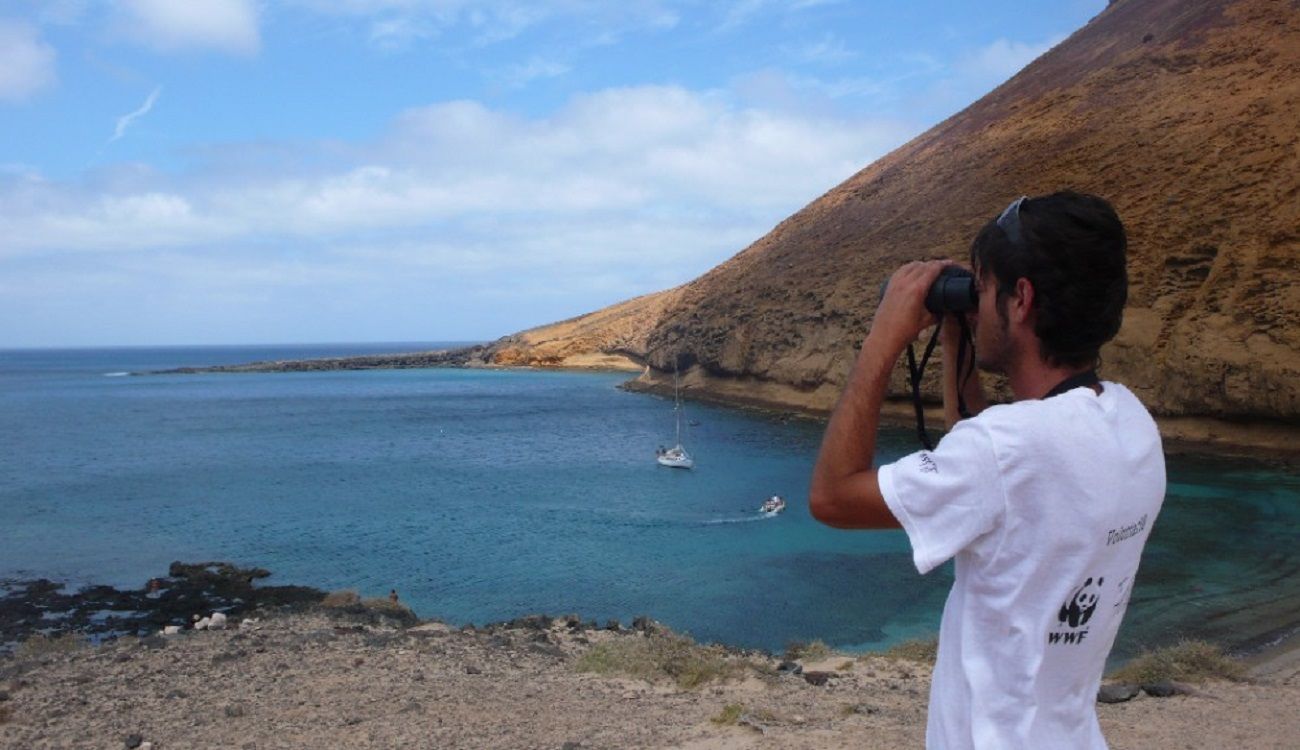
840, 508
825, 507
820, 505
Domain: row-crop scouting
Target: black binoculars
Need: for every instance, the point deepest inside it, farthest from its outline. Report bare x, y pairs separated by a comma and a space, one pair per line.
952, 292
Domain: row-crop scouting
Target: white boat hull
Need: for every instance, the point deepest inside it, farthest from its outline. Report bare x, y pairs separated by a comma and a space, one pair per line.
676, 458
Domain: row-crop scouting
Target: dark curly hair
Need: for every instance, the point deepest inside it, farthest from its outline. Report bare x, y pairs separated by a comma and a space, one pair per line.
1072, 249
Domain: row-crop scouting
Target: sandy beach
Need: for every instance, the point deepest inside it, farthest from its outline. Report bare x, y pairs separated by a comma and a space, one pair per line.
324, 678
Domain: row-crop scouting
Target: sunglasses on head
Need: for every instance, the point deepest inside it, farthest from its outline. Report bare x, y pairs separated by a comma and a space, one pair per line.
1009, 221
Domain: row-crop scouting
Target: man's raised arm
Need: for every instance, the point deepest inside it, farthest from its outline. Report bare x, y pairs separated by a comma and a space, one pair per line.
845, 492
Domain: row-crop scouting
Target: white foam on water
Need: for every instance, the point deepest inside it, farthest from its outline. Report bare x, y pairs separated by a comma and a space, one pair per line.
746, 519
116, 374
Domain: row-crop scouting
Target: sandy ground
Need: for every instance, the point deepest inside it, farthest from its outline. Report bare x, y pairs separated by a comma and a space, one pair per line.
312, 681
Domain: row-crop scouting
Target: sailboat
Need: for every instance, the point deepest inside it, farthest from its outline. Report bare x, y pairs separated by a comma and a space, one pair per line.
676, 456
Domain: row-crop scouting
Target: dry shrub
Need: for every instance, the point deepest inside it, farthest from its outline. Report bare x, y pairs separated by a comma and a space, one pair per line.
1186, 661
923, 650
730, 715
812, 651
388, 607
341, 599
658, 656
43, 645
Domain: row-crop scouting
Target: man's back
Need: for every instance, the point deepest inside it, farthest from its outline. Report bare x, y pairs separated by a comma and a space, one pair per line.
1045, 505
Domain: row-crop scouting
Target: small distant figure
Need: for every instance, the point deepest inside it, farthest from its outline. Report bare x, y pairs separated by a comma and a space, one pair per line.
392, 596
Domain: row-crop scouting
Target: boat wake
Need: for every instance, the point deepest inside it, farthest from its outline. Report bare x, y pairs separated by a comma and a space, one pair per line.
745, 519
116, 374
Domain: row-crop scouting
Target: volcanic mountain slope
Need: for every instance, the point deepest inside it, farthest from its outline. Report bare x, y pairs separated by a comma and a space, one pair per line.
1185, 114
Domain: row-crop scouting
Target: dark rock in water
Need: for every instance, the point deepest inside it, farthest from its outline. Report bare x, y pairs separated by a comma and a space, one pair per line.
1117, 693
817, 678
531, 622
190, 589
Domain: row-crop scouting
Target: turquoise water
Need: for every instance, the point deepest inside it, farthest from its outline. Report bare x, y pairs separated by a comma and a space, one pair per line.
484, 495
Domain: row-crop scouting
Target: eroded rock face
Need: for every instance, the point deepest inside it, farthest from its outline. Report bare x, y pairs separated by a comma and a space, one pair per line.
1182, 114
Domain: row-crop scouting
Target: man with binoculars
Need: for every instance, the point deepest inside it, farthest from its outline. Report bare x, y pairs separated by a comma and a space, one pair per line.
1045, 503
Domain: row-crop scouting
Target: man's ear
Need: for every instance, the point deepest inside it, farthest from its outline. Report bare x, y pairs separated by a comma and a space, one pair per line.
1021, 303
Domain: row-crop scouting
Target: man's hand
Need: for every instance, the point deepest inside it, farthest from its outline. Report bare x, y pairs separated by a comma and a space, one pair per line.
902, 316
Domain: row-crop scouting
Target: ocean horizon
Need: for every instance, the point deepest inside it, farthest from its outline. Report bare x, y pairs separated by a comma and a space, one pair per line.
483, 495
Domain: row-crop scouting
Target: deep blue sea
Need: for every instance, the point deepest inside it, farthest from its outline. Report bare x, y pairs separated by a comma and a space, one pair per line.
484, 495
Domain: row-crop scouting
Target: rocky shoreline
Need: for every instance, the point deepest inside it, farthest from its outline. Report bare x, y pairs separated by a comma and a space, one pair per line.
298, 668
467, 356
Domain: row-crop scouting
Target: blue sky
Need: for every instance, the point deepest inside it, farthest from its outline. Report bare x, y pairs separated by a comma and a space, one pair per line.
236, 171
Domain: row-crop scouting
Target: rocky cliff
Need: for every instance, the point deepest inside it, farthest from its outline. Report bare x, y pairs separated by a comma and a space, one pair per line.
1183, 113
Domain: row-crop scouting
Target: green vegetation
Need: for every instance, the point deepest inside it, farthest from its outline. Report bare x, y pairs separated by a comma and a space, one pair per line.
657, 656
811, 651
923, 650
43, 645
1186, 661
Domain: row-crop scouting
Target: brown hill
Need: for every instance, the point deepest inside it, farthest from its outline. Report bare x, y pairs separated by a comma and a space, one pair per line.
1183, 113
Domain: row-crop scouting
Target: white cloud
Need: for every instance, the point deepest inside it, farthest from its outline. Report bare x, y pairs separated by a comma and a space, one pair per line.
519, 76
126, 120
398, 23
399, 33
229, 26
1002, 58
27, 63
621, 192
661, 152
829, 50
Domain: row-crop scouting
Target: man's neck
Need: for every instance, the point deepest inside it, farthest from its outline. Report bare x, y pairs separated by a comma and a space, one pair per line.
1033, 378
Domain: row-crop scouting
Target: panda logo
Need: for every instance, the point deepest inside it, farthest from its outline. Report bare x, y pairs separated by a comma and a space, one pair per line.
1082, 603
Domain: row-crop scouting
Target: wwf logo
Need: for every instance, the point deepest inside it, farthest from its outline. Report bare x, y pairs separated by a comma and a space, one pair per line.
1075, 613
1078, 610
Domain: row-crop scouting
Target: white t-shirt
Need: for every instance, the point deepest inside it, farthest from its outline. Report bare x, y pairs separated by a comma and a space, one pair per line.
1046, 506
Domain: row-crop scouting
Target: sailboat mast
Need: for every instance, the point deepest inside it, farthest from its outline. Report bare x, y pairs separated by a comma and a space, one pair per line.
677, 406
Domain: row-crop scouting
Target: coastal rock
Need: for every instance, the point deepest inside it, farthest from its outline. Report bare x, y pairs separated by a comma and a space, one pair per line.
817, 678
161, 606
1212, 329
1117, 693
793, 667
1166, 689
132, 741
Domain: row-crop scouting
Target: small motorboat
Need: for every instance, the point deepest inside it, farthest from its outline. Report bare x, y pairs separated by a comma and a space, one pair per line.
772, 505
